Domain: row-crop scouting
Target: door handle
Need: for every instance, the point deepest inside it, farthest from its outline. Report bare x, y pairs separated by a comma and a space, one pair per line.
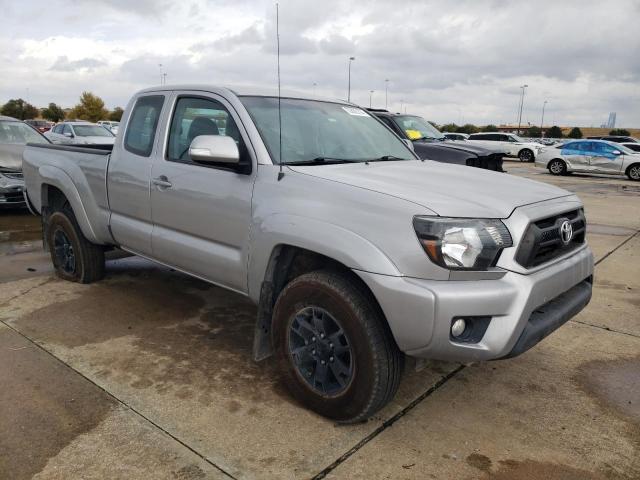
162, 182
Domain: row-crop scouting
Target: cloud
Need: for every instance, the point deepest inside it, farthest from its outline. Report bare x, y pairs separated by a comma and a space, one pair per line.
448, 61
63, 64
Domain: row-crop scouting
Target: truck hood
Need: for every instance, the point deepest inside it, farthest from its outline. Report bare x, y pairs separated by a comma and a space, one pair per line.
11, 156
447, 190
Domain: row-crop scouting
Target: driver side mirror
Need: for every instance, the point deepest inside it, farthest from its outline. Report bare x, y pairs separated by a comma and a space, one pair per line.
408, 143
209, 149
68, 134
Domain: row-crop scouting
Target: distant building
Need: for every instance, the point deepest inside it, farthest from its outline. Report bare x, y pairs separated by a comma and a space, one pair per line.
611, 123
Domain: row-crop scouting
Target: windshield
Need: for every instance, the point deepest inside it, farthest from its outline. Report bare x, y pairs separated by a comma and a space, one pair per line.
624, 149
417, 127
91, 131
313, 130
18, 133
517, 138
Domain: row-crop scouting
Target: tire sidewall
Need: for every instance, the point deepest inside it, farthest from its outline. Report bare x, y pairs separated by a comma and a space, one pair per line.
60, 221
351, 401
563, 168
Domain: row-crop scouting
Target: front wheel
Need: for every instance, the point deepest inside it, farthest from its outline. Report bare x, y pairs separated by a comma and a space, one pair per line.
526, 155
336, 352
557, 167
633, 172
74, 257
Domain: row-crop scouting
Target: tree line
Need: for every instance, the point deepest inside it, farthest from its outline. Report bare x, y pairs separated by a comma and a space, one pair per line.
90, 108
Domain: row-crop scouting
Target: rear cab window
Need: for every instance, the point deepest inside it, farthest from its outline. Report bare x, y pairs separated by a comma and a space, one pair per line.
142, 125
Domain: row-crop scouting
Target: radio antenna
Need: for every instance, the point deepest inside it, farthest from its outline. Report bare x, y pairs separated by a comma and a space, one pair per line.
280, 173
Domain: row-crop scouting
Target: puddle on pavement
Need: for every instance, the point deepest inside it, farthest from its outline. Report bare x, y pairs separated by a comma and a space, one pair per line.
198, 337
616, 385
533, 470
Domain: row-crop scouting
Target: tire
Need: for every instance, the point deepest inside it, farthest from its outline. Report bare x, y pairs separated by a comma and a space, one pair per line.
74, 257
364, 355
557, 167
633, 172
526, 155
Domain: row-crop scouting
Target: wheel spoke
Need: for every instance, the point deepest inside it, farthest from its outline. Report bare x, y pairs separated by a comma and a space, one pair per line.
340, 371
320, 376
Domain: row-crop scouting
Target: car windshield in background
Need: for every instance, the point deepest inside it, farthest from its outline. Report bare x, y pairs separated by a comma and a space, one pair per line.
417, 128
518, 139
314, 131
623, 149
19, 133
91, 131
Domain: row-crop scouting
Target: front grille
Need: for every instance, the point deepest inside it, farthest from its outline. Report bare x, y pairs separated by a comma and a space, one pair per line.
543, 241
14, 174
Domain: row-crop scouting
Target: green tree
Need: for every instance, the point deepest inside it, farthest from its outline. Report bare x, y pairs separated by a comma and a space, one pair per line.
116, 114
621, 132
53, 112
554, 132
20, 109
449, 127
490, 128
91, 107
534, 132
468, 128
575, 133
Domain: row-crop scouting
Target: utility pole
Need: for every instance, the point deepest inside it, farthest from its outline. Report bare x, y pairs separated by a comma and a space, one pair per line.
160, 69
164, 79
386, 94
542, 120
370, 97
351, 59
523, 87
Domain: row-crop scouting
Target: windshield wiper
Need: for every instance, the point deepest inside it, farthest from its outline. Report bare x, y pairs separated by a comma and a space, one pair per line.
322, 161
385, 158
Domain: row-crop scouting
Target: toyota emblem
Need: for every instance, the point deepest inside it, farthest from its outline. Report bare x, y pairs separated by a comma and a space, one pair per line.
566, 232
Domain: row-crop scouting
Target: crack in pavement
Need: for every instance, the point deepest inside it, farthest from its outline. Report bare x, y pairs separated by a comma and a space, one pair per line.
387, 423
120, 401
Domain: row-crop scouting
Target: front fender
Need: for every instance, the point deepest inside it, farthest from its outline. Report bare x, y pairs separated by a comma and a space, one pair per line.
333, 241
58, 178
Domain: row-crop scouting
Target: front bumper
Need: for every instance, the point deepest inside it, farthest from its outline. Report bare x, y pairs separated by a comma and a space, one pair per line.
420, 312
11, 191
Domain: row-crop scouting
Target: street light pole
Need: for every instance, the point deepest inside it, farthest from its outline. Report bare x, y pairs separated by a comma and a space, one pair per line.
542, 120
351, 59
370, 97
160, 68
523, 87
386, 93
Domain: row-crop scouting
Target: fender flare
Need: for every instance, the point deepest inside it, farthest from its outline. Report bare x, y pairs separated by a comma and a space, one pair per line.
318, 236
58, 178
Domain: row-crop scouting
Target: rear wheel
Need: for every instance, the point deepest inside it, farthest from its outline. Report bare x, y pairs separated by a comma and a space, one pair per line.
526, 155
633, 172
557, 167
74, 257
334, 347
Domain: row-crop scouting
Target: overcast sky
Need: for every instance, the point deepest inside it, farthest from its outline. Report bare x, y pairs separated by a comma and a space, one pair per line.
450, 61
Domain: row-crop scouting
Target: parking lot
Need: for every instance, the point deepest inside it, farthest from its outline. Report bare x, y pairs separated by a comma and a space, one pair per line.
148, 374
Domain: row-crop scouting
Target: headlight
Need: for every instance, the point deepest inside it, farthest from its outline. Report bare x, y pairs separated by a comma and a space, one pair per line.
462, 243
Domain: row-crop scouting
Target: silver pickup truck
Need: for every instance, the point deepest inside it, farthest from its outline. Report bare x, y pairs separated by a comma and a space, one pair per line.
356, 252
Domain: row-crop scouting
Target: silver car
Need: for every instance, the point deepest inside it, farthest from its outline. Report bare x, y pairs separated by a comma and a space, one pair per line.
590, 156
80, 133
14, 134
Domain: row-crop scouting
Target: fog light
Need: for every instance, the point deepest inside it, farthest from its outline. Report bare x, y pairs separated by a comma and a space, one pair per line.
458, 327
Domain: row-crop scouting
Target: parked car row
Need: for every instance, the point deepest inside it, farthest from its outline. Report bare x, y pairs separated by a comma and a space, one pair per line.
80, 133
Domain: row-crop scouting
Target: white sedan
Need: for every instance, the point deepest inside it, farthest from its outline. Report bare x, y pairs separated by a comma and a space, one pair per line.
80, 133
590, 156
513, 144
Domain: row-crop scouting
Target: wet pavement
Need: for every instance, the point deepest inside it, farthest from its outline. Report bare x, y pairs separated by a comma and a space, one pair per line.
148, 374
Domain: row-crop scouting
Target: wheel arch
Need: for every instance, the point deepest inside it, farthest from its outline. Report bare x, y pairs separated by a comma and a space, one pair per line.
287, 262
628, 169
